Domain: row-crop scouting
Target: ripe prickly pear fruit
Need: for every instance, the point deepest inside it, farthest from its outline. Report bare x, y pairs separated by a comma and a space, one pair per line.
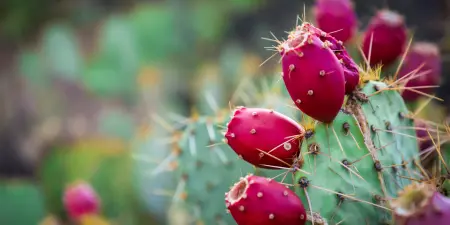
351, 72
258, 200
313, 75
336, 17
425, 53
81, 199
389, 34
422, 204
264, 138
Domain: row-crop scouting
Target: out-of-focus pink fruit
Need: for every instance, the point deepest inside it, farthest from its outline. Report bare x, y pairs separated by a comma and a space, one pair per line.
277, 135
423, 54
336, 17
261, 201
387, 30
81, 199
422, 133
313, 75
421, 204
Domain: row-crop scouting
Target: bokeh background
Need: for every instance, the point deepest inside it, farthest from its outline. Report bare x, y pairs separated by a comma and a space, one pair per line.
85, 84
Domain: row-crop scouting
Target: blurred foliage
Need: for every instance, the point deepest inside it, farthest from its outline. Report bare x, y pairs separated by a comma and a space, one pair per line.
21, 203
151, 153
19, 17
150, 24
66, 63
105, 163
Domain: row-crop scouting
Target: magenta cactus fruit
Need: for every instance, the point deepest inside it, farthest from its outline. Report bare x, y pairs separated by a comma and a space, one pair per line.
336, 17
264, 138
426, 56
81, 199
313, 75
421, 204
258, 200
387, 30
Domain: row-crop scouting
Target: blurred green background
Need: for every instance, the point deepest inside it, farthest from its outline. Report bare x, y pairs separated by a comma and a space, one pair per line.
84, 84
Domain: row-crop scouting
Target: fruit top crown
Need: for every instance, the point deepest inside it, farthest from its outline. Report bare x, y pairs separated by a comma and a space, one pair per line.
390, 18
238, 191
299, 37
296, 39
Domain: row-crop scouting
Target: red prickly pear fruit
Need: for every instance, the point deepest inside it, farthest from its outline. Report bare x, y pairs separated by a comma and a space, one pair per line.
426, 56
80, 199
264, 138
421, 204
387, 30
256, 200
336, 17
351, 71
312, 74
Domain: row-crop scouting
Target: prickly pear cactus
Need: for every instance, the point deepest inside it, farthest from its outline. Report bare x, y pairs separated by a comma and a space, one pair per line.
358, 148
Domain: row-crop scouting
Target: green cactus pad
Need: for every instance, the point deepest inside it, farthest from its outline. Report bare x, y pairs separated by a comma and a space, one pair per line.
378, 157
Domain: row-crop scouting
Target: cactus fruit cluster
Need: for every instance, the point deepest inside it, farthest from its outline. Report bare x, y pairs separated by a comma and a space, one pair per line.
354, 156
354, 163
348, 150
